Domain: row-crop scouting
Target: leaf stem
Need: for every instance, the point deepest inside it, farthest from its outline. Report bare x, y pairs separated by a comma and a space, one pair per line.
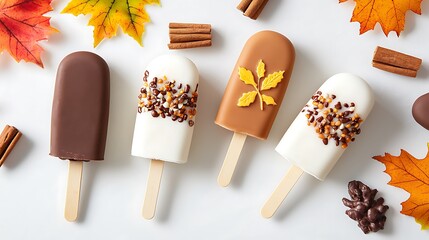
260, 95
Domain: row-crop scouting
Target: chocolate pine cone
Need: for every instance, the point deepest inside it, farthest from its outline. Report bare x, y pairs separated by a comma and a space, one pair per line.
368, 212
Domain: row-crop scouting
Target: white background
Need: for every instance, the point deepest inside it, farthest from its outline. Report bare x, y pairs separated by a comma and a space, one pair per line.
191, 205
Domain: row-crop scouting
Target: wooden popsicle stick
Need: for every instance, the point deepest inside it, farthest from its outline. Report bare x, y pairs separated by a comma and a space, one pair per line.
73, 190
231, 159
281, 192
152, 189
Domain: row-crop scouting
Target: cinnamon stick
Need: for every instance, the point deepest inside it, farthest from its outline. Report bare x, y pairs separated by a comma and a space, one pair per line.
8, 139
243, 5
260, 10
391, 57
203, 43
396, 62
190, 30
189, 25
189, 35
396, 70
179, 38
253, 8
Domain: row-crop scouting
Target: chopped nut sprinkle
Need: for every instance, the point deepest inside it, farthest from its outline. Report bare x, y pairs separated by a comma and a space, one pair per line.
162, 98
337, 121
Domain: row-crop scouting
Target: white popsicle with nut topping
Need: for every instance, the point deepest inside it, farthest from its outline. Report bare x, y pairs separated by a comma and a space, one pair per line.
165, 118
321, 132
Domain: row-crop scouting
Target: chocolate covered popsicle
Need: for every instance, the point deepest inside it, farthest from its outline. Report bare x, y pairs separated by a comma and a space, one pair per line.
330, 121
80, 114
165, 118
420, 110
254, 93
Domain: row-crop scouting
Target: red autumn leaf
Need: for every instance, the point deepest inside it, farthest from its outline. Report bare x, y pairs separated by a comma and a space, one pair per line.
22, 25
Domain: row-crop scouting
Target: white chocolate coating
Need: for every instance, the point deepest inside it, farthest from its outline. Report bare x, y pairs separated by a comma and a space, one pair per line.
161, 138
301, 144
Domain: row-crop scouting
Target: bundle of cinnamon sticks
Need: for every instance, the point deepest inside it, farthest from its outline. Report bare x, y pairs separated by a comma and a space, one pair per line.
396, 62
189, 35
252, 8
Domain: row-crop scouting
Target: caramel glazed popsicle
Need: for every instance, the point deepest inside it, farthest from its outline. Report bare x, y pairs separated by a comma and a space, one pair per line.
254, 93
80, 115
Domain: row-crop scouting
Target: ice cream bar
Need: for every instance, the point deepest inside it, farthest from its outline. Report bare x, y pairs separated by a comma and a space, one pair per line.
165, 118
80, 111
254, 93
420, 110
166, 109
80, 115
330, 122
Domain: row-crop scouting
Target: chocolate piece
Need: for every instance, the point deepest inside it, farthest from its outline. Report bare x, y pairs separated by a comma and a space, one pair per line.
368, 212
8, 139
278, 54
80, 110
421, 110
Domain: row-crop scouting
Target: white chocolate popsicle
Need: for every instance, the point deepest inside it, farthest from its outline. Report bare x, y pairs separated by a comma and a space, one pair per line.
319, 135
161, 137
165, 118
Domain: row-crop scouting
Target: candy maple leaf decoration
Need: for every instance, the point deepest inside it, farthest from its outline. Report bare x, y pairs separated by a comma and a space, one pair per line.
389, 13
22, 25
412, 175
269, 82
108, 15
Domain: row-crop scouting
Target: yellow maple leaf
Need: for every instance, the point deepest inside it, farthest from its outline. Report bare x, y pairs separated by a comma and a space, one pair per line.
412, 175
246, 76
268, 100
389, 13
247, 98
260, 69
272, 80
108, 15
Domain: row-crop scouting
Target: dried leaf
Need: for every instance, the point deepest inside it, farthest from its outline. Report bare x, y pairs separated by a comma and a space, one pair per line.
246, 76
247, 98
268, 100
107, 15
412, 175
260, 70
272, 80
389, 13
22, 25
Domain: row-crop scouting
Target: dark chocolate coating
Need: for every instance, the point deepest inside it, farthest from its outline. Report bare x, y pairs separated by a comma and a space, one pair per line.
80, 110
421, 110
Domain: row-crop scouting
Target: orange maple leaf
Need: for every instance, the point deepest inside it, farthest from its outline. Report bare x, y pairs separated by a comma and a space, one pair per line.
412, 175
108, 15
389, 13
22, 25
